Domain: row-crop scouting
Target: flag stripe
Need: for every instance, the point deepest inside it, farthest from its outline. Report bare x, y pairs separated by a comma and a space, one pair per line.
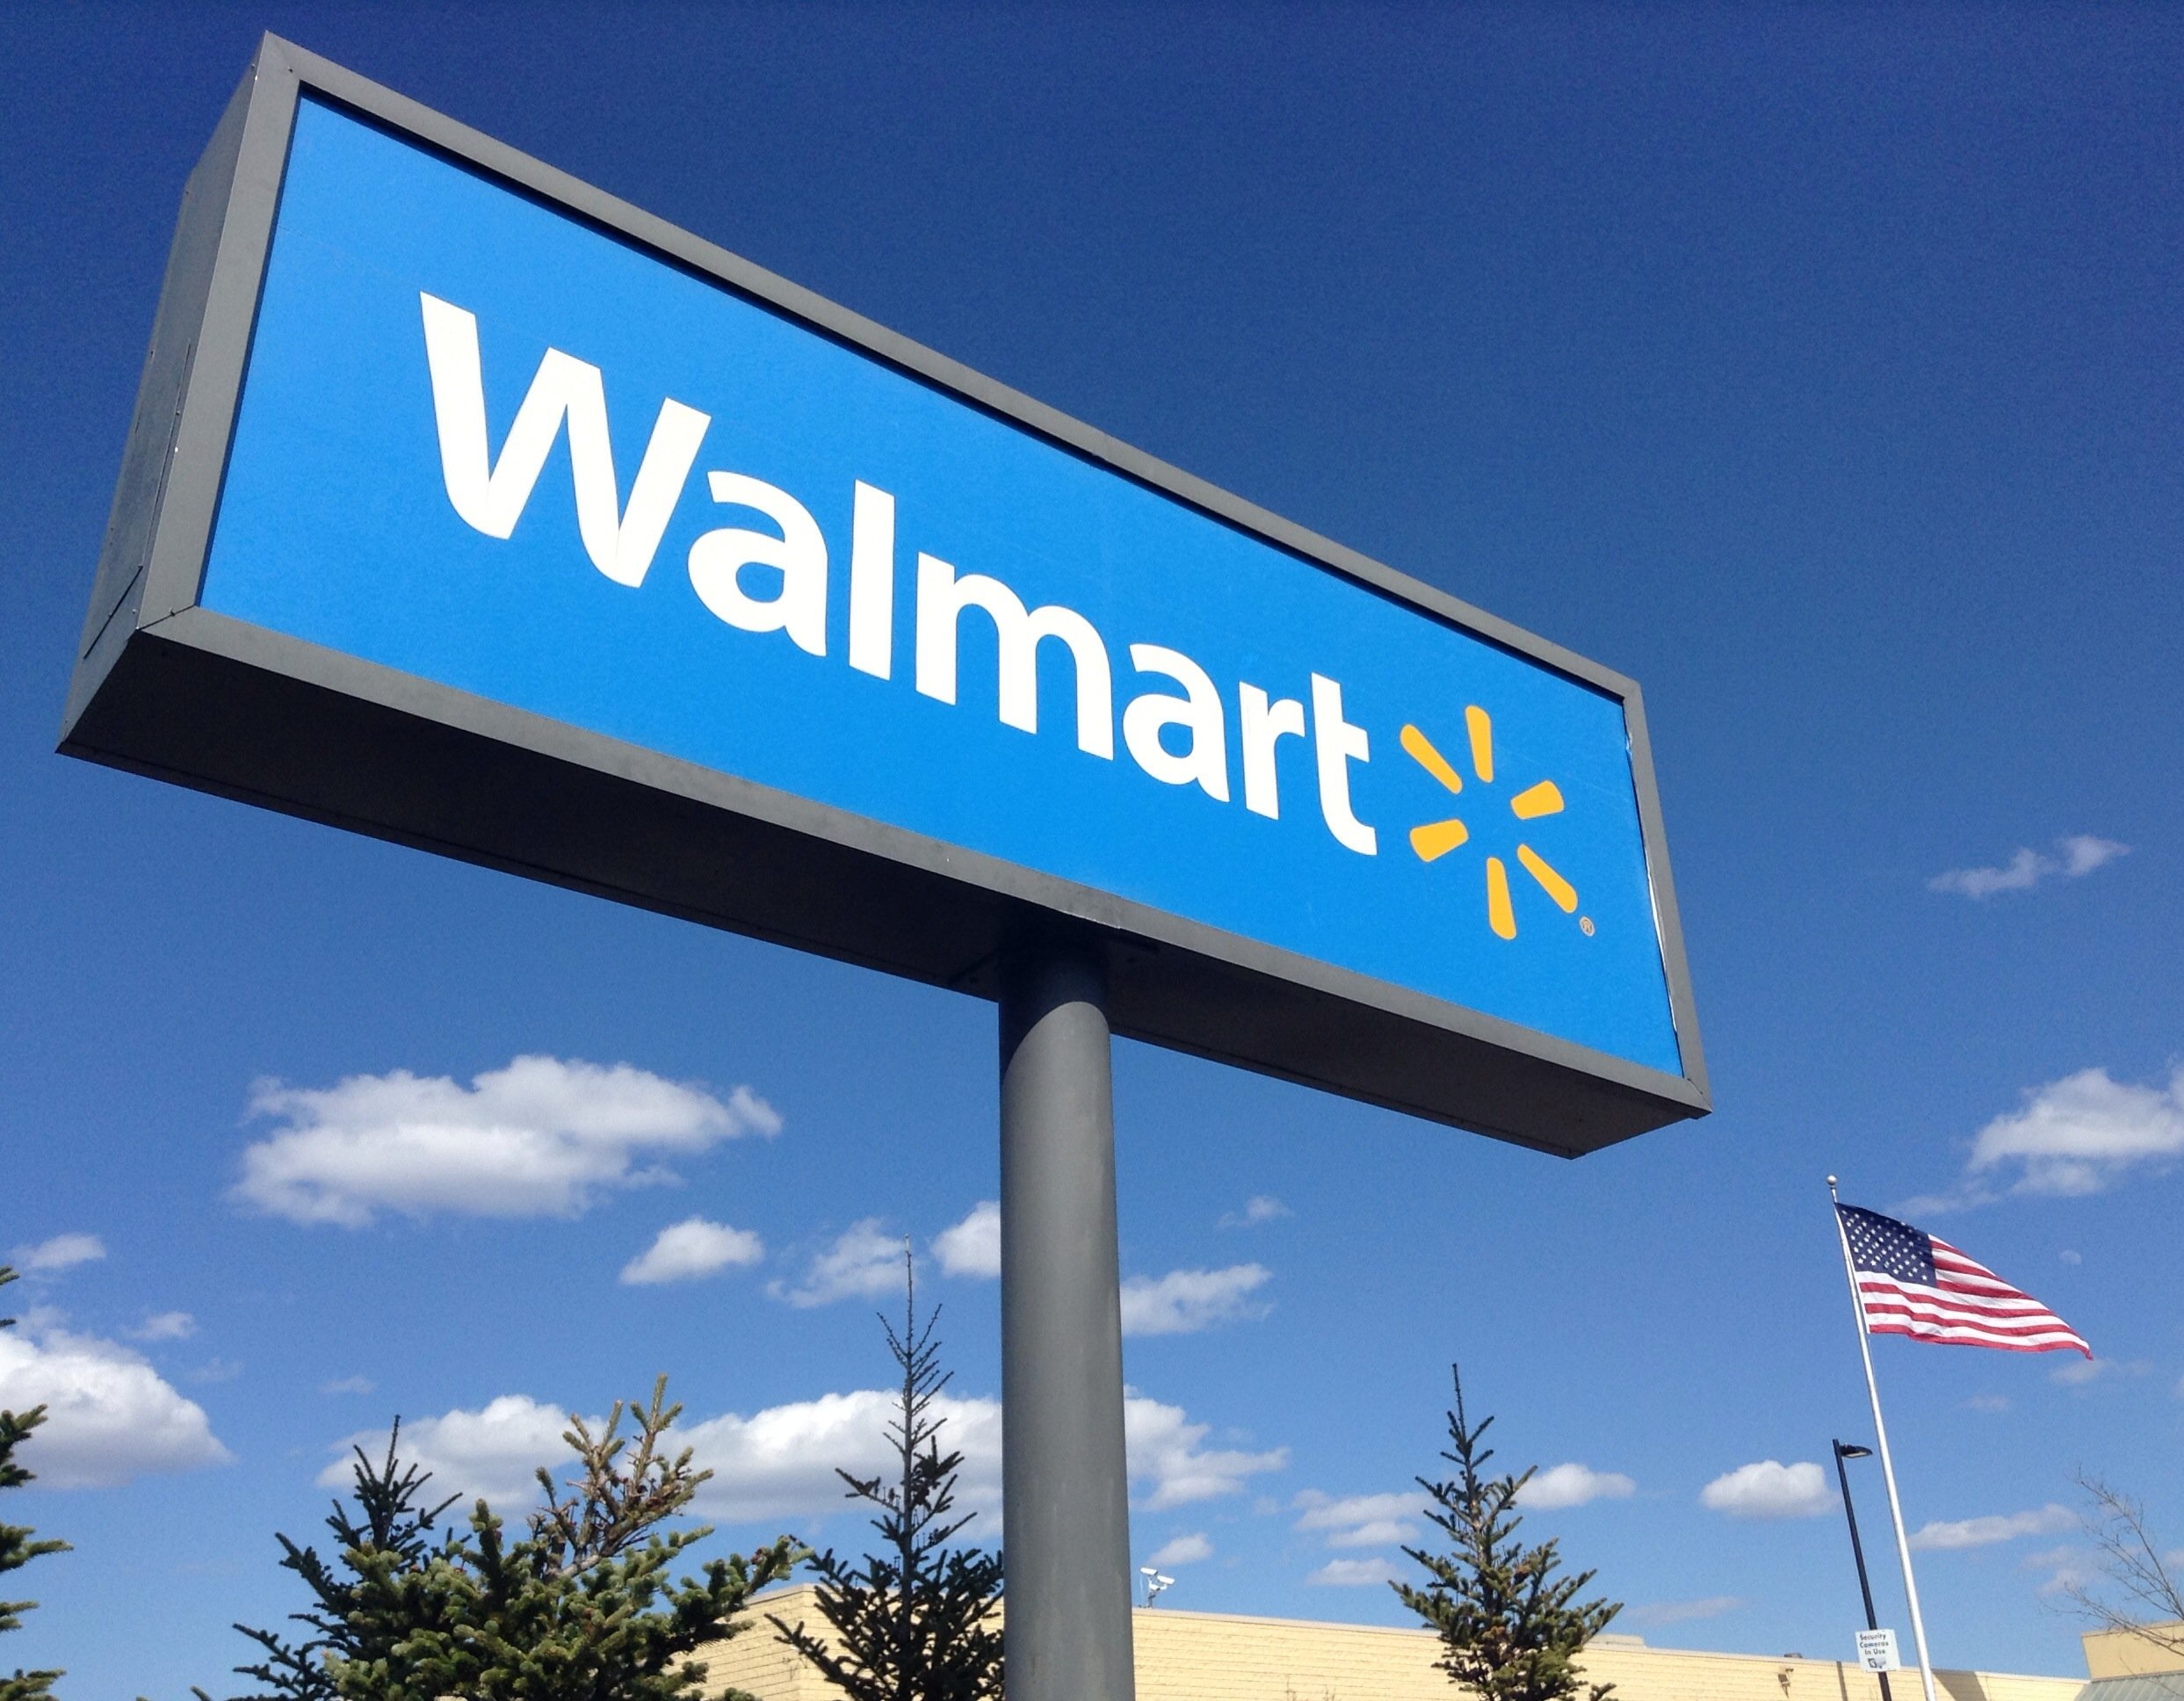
2001, 1312
1917, 1325
1900, 1311
1941, 1338
1915, 1318
1911, 1283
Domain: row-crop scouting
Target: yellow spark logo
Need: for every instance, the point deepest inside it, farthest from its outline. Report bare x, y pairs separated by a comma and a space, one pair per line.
1436, 838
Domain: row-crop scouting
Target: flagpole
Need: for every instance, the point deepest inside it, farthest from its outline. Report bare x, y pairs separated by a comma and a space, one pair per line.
1880, 1436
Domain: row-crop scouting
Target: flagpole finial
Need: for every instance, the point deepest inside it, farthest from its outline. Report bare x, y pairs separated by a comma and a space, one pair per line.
1831, 1183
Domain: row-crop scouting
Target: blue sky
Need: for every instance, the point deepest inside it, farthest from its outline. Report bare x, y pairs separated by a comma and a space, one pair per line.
1819, 368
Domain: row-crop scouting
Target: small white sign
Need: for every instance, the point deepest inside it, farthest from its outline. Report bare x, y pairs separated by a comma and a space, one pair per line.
1877, 1651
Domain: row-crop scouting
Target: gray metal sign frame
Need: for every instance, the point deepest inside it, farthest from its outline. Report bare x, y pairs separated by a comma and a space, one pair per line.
166, 687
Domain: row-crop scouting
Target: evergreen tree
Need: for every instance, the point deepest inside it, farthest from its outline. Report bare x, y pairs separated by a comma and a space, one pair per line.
1509, 1628
579, 1608
914, 1621
16, 1547
376, 1592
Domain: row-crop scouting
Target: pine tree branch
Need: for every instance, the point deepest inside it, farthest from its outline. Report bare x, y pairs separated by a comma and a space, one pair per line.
580, 1606
17, 1547
1507, 1626
912, 1621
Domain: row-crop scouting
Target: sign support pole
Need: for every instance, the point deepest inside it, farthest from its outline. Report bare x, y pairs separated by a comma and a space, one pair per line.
1064, 1488
1888, 1466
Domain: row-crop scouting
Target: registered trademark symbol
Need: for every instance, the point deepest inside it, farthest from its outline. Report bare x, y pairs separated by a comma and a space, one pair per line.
1585, 925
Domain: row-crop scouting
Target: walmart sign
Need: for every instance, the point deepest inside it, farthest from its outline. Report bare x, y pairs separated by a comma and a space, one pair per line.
581, 495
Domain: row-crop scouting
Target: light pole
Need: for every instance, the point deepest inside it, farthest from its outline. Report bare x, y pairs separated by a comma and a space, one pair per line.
1850, 1450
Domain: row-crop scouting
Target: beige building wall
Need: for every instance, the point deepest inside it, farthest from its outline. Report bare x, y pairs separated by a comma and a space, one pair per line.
1218, 1656
2133, 1653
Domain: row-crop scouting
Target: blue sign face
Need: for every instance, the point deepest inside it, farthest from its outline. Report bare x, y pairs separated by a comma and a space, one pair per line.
483, 443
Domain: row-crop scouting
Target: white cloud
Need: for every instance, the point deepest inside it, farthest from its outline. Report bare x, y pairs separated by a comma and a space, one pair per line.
1181, 1550
2068, 1567
686, 1250
494, 1452
2080, 854
164, 1326
1575, 1484
1360, 1520
1259, 1208
2021, 874
1769, 1489
541, 1138
2079, 1134
1943, 1534
109, 1416
864, 1262
1184, 1301
217, 1369
1987, 1402
2071, 1258
1680, 1612
1352, 1573
1381, 1520
779, 1463
61, 1252
348, 1385
972, 1247
2078, 1372
1167, 1458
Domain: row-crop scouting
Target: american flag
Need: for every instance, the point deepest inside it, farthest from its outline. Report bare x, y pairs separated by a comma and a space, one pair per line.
1911, 1283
